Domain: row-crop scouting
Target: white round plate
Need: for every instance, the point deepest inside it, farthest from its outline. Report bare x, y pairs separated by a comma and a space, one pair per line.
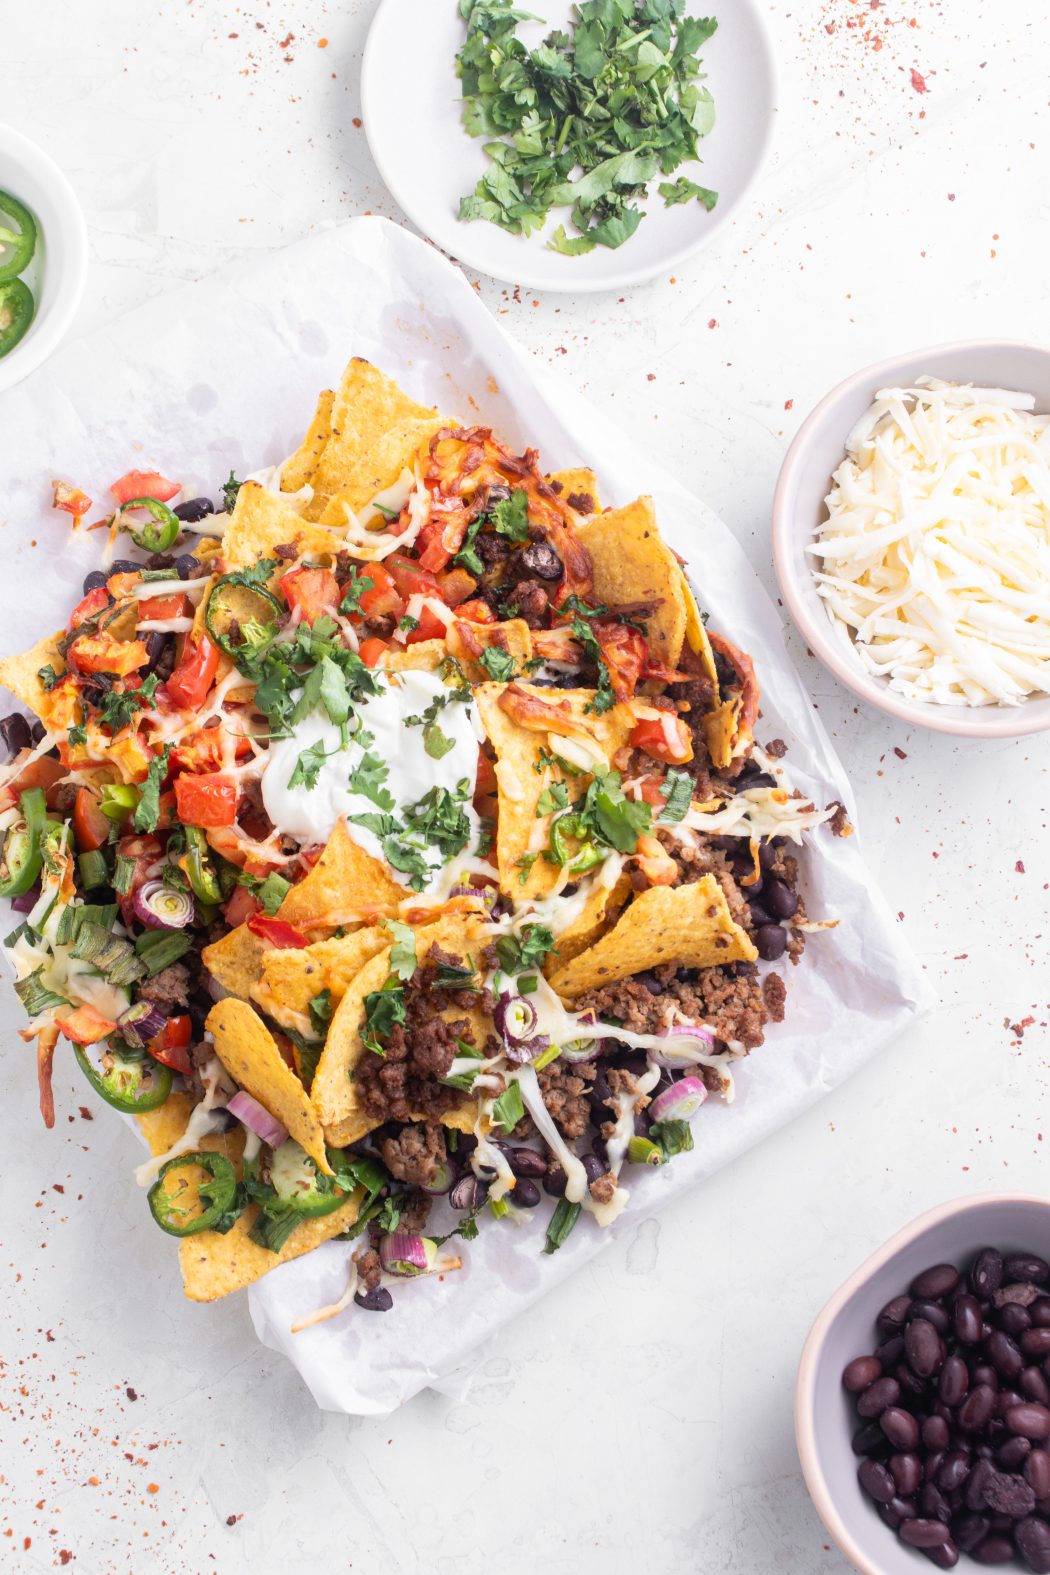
411, 108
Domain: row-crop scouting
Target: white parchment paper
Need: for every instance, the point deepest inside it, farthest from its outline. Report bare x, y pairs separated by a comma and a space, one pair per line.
225, 374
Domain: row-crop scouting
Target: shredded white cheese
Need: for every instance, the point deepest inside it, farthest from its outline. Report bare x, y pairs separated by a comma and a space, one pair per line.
936, 550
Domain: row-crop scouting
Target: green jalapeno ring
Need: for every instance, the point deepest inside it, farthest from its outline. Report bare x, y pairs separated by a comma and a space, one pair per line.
22, 852
16, 312
159, 532
232, 602
198, 868
219, 1193
567, 825
21, 242
106, 1084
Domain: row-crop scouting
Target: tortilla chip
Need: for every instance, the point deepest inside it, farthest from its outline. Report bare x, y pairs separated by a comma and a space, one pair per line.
367, 408
235, 962
521, 778
632, 563
696, 633
601, 909
261, 521
214, 1265
247, 1050
333, 1091
688, 925
581, 484
298, 468
377, 467
163, 1127
467, 641
721, 727
345, 879
426, 656
20, 673
291, 978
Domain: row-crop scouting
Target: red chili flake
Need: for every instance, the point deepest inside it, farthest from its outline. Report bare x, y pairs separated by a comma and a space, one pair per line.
713, 323
650, 377
131, 1394
56, 1186
899, 752
1019, 867
233, 35
918, 81
286, 41
356, 122
322, 43
85, 1114
64, 1556
789, 404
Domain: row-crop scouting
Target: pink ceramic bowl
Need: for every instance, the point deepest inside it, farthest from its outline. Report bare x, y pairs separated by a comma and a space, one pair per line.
818, 449
824, 1416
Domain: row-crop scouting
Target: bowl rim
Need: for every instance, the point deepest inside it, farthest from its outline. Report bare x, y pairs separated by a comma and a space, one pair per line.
47, 332
626, 278
977, 722
805, 1427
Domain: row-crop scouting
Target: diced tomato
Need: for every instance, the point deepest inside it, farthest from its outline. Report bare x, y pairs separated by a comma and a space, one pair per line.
411, 579
277, 931
70, 498
652, 792
189, 684
171, 1046
664, 738
139, 847
371, 651
310, 592
240, 907
44, 773
85, 1026
157, 608
430, 627
383, 600
457, 586
203, 751
144, 484
476, 612
100, 653
209, 800
88, 606
90, 826
485, 781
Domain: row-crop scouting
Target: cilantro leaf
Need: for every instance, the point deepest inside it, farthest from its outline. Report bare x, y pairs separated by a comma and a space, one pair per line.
677, 787
510, 516
356, 587
556, 796
308, 767
117, 709
499, 665
403, 952
256, 575
383, 1010
48, 677
518, 953
321, 1011
367, 778
230, 488
408, 623
436, 743
468, 557
683, 190
147, 812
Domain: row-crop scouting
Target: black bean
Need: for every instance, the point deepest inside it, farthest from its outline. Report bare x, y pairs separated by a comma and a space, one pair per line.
526, 1194
862, 1371
983, 1374
910, 1382
907, 1473
593, 1166
954, 1381
954, 1470
1030, 1420
882, 1393
469, 1193
36, 733
126, 566
890, 1351
1009, 1494
778, 899
186, 565
993, 1550
758, 915
16, 734
1032, 1536
771, 942
542, 560
968, 1530
933, 1312
379, 1300
1037, 1472
876, 1481
923, 1347
941, 1280
935, 1433
974, 1492
1004, 1354
651, 983
946, 1557
1005, 1401
1040, 1312
986, 1275
95, 579
892, 1318
555, 1182
1020, 1293
924, 1533
527, 1162
977, 1409
1015, 1319
194, 509
1026, 1266
967, 1315
1034, 1385
891, 1516
1036, 1343
934, 1504
900, 1427
1013, 1453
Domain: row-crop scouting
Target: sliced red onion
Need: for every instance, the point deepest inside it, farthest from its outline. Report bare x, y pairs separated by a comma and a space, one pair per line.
402, 1253
680, 1102
27, 901
515, 1018
444, 1176
486, 893
257, 1118
161, 907
141, 1023
680, 1047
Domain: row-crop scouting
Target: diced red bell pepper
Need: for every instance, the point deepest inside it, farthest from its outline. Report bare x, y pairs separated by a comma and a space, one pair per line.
90, 826
156, 609
88, 606
666, 738
371, 651
476, 612
209, 800
189, 684
430, 627
310, 592
44, 773
144, 484
411, 578
171, 1046
241, 906
384, 599
277, 931
85, 1026
100, 653
457, 586
203, 751
66, 496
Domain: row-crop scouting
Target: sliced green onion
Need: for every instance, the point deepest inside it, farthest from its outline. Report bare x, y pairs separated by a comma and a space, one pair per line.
93, 870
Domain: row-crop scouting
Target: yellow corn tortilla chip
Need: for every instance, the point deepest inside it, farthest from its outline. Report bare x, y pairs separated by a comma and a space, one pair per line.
291, 978
247, 1050
696, 634
521, 777
720, 730
367, 406
261, 521
214, 1265
235, 961
426, 656
333, 1092
163, 1127
20, 673
581, 484
373, 469
602, 909
688, 925
632, 563
298, 468
466, 642
345, 878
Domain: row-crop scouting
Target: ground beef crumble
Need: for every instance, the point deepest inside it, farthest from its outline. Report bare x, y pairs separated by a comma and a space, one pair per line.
415, 1211
169, 988
776, 749
369, 1267
774, 993
729, 999
603, 1187
564, 1089
413, 1154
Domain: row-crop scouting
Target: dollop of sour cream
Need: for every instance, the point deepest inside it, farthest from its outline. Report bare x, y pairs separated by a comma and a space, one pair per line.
310, 814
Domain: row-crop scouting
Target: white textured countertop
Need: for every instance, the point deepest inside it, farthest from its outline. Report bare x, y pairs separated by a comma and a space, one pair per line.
640, 1417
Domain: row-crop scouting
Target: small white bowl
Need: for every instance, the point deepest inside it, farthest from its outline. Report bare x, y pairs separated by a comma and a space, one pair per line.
58, 271
818, 449
825, 1420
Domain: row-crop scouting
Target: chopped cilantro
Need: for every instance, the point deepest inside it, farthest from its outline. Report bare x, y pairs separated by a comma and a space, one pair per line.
408, 623
524, 866
684, 190
117, 710
440, 820
356, 587
321, 1011
367, 778
256, 576
383, 1009
48, 677
510, 516
308, 766
78, 731
556, 796
435, 742
147, 812
230, 489
671, 1137
677, 787
403, 951
468, 557
498, 664
517, 953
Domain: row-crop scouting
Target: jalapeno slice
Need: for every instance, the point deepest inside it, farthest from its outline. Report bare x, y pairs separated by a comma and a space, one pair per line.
17, 236
159, 531
22, 853
16, 312
124, 1083
198, 868
172, 1207
232, 607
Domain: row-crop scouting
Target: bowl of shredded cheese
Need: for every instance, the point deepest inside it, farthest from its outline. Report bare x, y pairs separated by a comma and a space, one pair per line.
911, 533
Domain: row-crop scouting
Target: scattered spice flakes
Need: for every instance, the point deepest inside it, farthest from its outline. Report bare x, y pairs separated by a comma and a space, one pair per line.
1019, 867
918, 81
901, 755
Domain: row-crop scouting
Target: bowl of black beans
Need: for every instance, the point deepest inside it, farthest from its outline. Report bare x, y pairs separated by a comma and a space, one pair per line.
922, 1408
